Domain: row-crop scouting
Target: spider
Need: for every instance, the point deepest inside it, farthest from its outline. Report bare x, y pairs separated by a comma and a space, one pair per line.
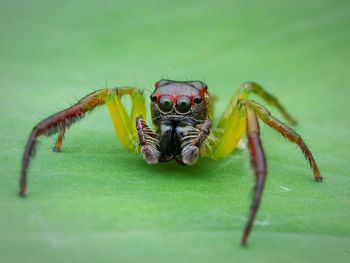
182, 114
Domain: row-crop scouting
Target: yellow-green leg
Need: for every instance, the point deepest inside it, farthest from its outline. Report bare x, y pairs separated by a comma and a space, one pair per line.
231, 125
286, 132
230, 132
124, 123
243, 93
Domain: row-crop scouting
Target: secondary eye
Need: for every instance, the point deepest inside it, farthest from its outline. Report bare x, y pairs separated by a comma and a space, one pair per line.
153, 98
183, 104
165, 103
198, 99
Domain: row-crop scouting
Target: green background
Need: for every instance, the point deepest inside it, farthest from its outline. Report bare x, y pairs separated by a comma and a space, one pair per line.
95, 201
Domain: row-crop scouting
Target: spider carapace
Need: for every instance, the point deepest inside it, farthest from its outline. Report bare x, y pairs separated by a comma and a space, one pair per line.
182, 130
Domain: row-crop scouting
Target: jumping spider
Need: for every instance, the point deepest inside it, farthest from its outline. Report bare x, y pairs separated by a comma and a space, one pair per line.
182, 114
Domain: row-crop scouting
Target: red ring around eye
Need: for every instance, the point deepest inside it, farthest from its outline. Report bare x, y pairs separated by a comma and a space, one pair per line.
156, 84
197, 99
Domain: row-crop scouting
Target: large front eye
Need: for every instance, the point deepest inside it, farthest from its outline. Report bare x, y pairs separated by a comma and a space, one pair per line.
183, 104
165, 103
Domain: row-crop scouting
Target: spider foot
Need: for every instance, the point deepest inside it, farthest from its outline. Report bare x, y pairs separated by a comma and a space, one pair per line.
56, 149
189, 154
319, 179
22, 194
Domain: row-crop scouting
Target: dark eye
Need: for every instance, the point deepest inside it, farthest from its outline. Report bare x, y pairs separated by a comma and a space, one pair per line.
183, 104
165, 103
153, 98
197, 99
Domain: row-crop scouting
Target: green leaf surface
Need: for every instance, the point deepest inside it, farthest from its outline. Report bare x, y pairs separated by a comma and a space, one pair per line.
97, 202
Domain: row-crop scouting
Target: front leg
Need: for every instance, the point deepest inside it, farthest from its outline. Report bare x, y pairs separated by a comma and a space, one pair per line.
191, 138
258, 163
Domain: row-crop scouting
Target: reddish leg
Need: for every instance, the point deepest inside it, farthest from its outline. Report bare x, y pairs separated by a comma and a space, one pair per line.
258, 163
58, 144
58, 122
287, 132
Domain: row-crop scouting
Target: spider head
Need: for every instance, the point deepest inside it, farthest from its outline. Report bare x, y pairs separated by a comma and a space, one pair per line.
179, 99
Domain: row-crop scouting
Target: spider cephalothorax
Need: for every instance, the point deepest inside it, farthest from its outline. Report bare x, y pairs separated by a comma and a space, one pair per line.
180, 114
178, 99
182, 120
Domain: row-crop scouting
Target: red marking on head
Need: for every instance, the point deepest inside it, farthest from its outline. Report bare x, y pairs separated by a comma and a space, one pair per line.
180, 90
156, 85
175, 97
203, 91
157, 95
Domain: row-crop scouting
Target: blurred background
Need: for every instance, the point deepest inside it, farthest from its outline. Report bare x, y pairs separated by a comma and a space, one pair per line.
96, 201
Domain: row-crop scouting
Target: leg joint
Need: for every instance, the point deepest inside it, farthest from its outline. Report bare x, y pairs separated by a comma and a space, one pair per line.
249, 85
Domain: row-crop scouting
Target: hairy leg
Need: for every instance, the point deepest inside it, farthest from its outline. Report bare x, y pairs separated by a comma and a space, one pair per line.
243, 93
258, 163
61, 121
287, 132
241, 120
58, 123
122, 121
234, 127
257, 155
58, 144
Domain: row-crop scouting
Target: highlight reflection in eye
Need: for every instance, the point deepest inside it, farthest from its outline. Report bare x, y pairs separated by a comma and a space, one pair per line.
165, 103
183, 104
